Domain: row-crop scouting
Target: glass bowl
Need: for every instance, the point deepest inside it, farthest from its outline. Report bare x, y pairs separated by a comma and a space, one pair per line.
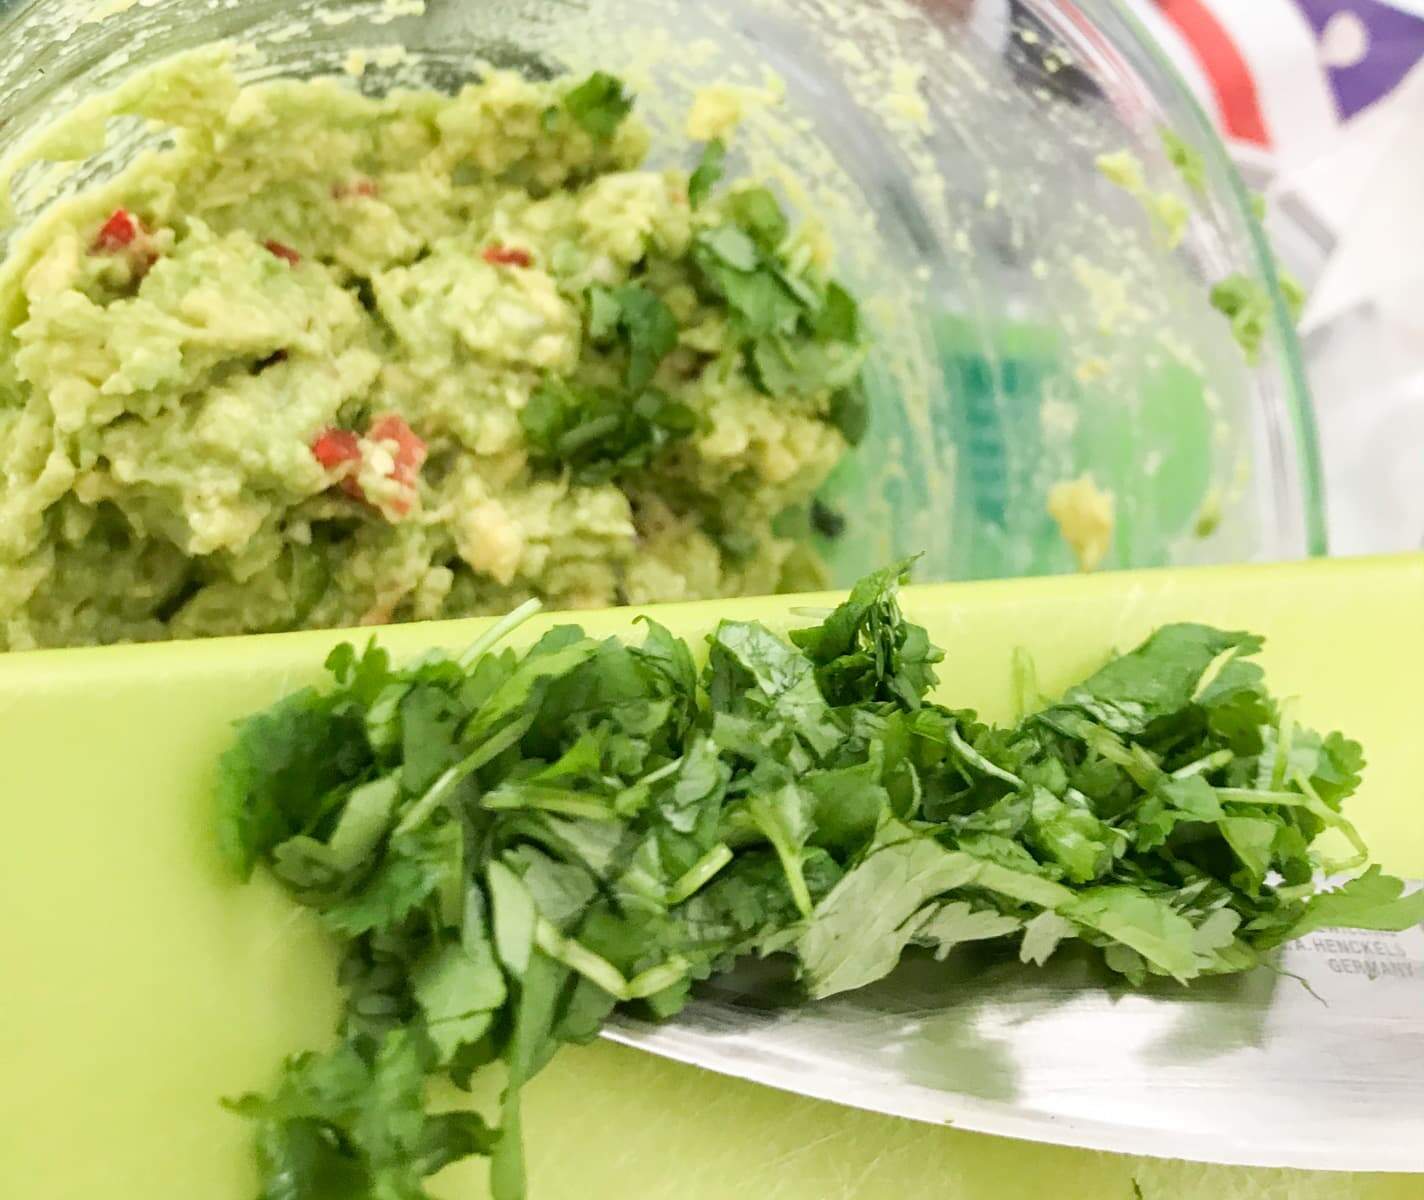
1049, 370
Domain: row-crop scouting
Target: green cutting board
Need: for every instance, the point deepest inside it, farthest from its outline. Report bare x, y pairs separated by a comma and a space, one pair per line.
138, 984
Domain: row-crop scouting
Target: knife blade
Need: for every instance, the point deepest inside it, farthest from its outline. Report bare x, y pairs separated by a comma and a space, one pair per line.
1313, 1061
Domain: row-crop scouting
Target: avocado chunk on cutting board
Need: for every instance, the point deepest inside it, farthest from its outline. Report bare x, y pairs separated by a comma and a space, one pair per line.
141, 984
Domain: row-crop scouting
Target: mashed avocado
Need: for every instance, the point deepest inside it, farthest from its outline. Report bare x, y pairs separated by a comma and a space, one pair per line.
1086, 517
322, 359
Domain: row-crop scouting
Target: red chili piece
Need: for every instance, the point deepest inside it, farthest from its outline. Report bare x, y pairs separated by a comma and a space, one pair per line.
508, 256
336, 448
411, 451
284, 252
357, 187
117, 233
124, 234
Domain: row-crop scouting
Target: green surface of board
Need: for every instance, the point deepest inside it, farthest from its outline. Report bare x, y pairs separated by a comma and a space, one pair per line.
138, 984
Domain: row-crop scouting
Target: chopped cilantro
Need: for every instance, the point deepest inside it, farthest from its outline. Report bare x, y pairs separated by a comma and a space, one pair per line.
509, 845
757, 211
599, 105
596, 433
646, 325
839, 318
796, 336
708, 174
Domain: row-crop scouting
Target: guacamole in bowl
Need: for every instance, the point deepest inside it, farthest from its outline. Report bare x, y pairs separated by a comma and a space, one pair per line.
321, 359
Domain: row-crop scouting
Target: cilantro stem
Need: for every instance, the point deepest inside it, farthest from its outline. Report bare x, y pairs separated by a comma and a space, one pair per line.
490, 749
1335, 821
1284, 740
1254, 796
562, 801
700, 874
500, 630
786, 849
1137, 762
657, 979
578, 957
1027, 698
975, 759
663, 772
1310, 801
1213, 671
1211, 762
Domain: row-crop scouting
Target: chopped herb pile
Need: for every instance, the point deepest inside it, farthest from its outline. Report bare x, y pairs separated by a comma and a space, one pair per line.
509, 845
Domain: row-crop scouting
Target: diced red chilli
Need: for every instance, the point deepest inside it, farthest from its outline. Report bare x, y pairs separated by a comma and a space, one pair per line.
335, 448
282, 251
411, 451
357, 187
117, 233
508, 256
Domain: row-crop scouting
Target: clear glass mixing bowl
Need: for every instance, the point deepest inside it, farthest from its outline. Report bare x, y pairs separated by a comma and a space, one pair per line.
1034, 325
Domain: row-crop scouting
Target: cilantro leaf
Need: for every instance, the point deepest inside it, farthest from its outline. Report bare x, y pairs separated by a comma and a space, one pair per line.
354, 1122
708, 174
430, 721
866, 651
605, 314
415, 868
1159, 678
729, 246
647, 326
597, 434
839, 317
459, 988
1042, 936
861, 929
958, 922
850, 413
758, 212
753, 673
274, 779
1144, 924
1373, 900
599, 105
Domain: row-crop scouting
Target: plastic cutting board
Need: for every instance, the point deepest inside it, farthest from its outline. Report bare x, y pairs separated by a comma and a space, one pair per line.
138, 984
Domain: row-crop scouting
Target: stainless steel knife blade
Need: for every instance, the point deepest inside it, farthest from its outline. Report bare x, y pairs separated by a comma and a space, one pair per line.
1316, 1061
